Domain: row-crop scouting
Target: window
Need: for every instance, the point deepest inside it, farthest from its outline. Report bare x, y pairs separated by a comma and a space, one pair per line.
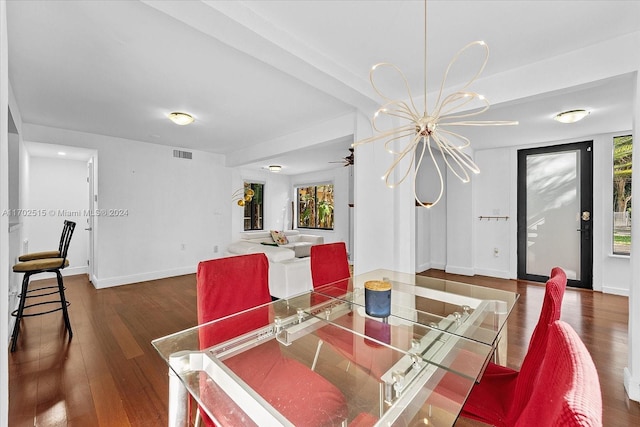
315, 206
253, 208
622, 146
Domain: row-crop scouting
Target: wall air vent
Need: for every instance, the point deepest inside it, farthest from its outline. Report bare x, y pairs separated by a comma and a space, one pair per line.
182, 154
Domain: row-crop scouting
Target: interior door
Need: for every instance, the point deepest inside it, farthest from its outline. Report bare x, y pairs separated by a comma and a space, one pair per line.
555, 199
90, 225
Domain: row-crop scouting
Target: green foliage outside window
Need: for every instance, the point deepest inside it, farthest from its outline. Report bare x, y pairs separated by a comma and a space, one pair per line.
622, 148
315, 207
254, 208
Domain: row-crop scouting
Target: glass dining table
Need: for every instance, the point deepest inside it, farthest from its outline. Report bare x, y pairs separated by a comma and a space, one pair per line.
319, 359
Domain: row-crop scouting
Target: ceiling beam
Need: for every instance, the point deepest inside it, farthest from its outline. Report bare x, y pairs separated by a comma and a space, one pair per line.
240, 27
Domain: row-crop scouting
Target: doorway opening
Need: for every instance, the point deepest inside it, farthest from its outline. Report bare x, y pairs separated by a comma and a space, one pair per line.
555, 205
61, 185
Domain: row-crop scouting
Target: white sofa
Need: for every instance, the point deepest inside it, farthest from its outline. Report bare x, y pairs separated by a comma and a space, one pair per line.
289, 265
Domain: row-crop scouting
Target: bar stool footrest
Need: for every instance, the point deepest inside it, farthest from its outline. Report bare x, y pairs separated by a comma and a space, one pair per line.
14, 313
53, 292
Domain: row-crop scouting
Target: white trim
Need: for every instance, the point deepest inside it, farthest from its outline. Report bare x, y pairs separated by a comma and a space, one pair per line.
501, 274
423, 267
613, 290
466, 271
631, 387
438, 266
141, 277
619, 256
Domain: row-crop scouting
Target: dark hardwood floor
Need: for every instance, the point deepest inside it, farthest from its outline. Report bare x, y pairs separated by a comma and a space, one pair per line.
110, 375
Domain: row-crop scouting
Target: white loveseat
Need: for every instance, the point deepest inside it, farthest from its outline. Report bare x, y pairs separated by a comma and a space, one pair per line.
289, 265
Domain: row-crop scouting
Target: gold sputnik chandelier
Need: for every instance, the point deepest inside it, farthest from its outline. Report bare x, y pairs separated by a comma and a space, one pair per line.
432, 130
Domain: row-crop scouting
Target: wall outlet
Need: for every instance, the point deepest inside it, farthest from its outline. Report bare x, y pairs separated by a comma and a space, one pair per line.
215, 249
496, 252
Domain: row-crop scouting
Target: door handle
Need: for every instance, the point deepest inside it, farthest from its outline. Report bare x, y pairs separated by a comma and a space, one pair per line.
89, 229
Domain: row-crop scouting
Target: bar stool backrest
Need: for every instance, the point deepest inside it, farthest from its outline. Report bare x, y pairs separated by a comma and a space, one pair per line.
65, 239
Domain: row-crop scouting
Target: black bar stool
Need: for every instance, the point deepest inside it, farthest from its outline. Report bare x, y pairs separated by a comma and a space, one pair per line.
48, 254
44, 265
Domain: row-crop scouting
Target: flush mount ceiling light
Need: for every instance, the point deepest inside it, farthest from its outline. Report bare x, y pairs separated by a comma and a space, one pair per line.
275, 168
434, 126
571, 116
181, 119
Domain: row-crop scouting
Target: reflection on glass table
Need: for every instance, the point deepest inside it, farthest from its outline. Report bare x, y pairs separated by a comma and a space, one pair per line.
439, 303
319, 359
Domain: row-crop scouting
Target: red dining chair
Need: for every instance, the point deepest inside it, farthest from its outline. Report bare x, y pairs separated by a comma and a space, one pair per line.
329, 264
567, 391
503, 391
230, 285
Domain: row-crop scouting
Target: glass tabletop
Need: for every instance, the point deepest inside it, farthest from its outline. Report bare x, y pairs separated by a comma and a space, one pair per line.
319, 359
438, 303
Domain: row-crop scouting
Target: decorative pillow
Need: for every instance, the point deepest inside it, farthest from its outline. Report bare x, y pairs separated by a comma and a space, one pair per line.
279, 237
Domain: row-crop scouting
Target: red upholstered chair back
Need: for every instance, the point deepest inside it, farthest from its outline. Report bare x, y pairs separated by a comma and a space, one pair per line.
567, 391
550, 312
226, 286
329, 263
229, 285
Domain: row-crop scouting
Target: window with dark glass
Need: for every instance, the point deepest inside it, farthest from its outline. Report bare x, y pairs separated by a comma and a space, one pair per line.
622, 147
254, 206
315, 206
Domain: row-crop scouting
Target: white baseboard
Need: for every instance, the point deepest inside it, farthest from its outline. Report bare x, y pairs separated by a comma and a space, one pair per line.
615, 291
438, 266
141, 277
423, 267
501, 274
631, 387
459, 270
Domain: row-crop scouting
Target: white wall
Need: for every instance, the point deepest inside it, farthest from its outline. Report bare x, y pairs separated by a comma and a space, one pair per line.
384, 218
17, 231
277, 200
59, 188
4, 220
431, 223
496, 194
178, 210
460, 225
632, 371
494, 191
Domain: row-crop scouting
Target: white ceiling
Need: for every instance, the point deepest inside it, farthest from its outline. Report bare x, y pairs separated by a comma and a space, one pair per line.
254, 71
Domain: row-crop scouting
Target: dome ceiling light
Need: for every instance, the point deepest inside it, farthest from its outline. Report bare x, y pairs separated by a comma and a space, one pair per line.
571, 116
181, 119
